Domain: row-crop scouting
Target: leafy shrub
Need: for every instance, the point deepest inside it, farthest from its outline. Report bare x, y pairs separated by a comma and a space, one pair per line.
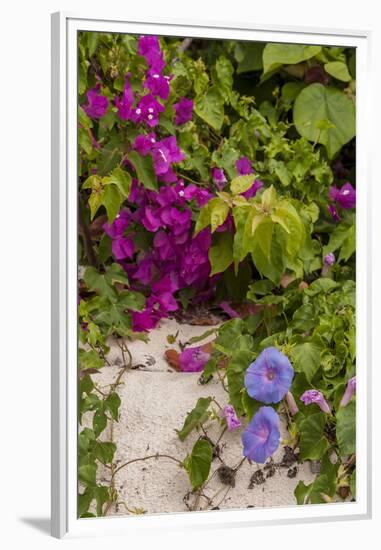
222, 172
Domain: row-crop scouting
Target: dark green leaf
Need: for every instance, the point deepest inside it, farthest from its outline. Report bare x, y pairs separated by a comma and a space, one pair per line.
104, 451
237, 367
313, 444
99, 422
112, 403
196, 417
346, 428
87, 474
144, 169
198, 463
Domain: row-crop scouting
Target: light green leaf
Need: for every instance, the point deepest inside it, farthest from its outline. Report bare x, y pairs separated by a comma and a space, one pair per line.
111, 199
269, 198
89, 360
349, 245
203, 219
339, 70
221, 252
275, 55
210, 107
324, 284
224, 75
219, 210
306, 358
240, 184
121, 179
317, 102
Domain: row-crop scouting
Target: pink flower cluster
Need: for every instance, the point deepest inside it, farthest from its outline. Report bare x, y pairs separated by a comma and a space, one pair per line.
176, 260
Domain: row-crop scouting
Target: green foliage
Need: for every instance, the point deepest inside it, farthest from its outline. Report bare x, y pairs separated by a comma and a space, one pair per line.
144, 169
346, 429
325, 115
198, 463
275, 55
313, 444
262, 101
196, 417
109, 191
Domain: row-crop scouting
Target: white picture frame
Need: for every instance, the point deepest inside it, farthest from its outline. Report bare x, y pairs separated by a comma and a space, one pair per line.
64, 277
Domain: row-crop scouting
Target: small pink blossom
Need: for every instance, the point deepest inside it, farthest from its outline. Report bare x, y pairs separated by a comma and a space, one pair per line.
232, 420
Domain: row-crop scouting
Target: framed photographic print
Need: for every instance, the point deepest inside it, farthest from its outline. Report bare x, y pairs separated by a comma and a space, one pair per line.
211, 360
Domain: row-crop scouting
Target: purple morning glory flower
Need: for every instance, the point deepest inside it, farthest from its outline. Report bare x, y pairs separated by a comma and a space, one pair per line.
349, 391
226, 307
252, 191
193, 359
243, 166
124, 105
345, 197
269, 377
96, 103
261, 437
119, 225
147, 110
291, 403
123, 248
329, 259
219, 178
333, 212
183, 110
157, 84
232, 420
315, 396
149, 48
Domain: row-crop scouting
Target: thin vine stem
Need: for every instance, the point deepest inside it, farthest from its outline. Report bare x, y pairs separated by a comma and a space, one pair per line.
149, 457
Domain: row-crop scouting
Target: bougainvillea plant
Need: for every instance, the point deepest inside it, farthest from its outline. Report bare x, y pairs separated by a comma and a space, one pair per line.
222, 173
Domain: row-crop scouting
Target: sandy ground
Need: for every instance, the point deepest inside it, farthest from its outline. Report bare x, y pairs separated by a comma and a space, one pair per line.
155, 401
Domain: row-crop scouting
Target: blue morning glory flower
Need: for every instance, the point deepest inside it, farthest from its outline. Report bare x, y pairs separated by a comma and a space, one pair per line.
261, 437
269, 377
